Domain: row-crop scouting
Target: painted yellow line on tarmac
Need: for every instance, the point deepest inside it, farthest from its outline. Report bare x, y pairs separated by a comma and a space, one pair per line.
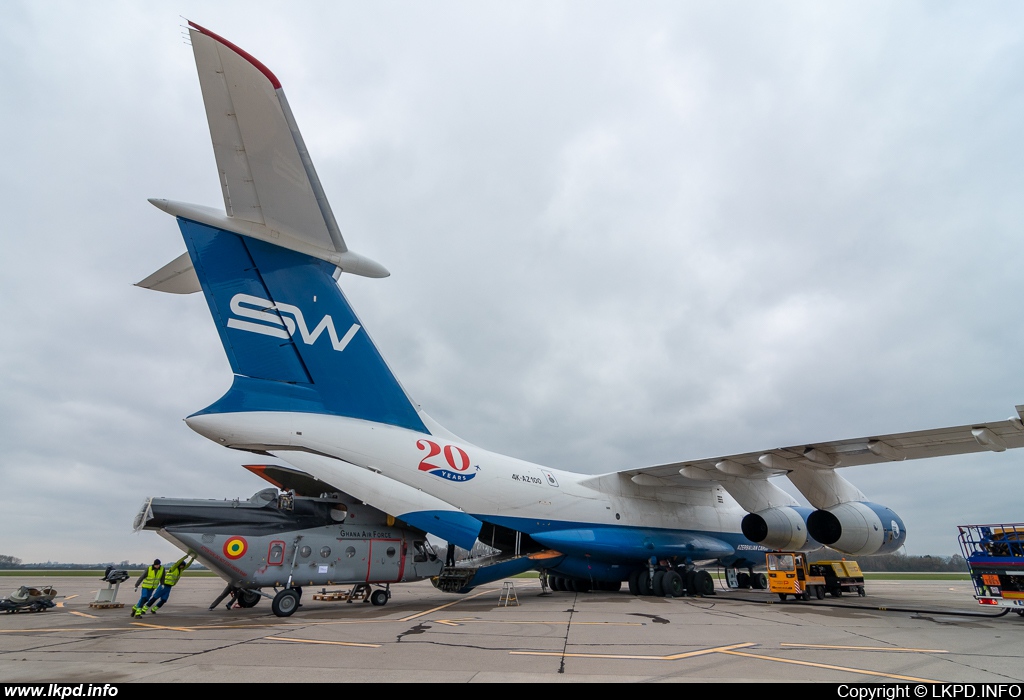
830, 667
320, 641
465, 620
636, 657
731, 650
836, 646
66, 598
447, 605
163, 627
82, 614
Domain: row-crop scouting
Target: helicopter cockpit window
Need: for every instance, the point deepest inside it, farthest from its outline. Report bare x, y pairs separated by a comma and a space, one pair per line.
421, 553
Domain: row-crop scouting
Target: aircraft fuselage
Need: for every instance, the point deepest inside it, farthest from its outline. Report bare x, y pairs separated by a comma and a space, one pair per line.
556, 508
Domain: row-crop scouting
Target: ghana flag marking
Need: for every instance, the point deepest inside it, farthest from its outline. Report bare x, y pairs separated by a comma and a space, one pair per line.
235, 547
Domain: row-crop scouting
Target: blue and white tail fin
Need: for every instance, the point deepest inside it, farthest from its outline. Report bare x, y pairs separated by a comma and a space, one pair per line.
293, 340
267, 264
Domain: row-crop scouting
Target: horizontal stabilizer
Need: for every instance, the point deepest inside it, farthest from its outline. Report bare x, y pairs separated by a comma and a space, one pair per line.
348, 261
176, 277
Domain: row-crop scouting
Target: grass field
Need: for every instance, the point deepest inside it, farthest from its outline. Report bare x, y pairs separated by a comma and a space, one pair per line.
922, 576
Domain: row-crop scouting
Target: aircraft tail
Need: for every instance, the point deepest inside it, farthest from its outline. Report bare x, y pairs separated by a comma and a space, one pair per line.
293, 340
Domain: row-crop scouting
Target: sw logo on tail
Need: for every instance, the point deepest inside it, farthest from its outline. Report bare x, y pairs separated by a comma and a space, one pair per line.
284, 326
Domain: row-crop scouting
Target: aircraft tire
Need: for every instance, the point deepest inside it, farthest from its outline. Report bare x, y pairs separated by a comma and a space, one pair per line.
704, 583
672, 584
643, 582
285, 603
743, 580
612, 586
247, 598
656, 584
557, 583
759, 582
379, 597
632, 582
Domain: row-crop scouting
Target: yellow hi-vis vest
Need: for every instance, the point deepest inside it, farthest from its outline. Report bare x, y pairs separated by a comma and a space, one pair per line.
172, 575
152, 579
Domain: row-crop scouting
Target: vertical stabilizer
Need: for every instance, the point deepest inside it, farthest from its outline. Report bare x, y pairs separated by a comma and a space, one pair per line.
293, 340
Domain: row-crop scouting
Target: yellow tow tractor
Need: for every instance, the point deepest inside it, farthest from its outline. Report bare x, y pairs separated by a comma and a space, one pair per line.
790, 574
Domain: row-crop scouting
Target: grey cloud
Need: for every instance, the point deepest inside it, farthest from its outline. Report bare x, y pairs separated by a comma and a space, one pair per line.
616, 238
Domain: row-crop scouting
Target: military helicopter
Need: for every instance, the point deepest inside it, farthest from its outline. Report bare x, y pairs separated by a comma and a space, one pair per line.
284, 538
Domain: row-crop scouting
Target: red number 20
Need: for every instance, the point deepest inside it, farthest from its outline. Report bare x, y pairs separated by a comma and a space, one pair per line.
456, 457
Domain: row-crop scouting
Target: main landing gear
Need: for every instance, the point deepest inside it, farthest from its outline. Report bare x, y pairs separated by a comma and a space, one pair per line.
286, 602
671, 582
747, 579
580, 585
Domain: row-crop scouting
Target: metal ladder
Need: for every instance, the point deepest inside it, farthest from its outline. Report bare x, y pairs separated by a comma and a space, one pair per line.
508, 594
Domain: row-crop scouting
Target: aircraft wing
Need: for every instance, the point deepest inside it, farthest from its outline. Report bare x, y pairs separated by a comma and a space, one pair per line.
964, 439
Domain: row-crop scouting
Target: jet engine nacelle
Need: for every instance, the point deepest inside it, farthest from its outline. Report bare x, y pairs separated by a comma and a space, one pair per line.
858, 528
783, 528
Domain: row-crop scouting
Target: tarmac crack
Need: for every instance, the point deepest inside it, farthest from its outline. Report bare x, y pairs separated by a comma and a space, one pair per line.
207, 651
568, 626
963, 664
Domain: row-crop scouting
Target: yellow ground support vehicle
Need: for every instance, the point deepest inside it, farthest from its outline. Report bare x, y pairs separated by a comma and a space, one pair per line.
790, 574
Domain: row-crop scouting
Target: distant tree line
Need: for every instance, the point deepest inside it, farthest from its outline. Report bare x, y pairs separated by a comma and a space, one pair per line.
896, 562
9, 562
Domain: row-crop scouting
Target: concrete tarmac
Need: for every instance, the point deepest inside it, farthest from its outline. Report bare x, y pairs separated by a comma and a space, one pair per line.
424, 635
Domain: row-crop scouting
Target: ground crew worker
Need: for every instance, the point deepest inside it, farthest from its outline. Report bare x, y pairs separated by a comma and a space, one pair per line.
167, 581
149, 580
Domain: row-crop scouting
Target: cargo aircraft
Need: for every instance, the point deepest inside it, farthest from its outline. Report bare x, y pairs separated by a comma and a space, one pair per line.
310, 388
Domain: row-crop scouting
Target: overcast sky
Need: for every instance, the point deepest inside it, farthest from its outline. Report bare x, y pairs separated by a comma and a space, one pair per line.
620, 234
